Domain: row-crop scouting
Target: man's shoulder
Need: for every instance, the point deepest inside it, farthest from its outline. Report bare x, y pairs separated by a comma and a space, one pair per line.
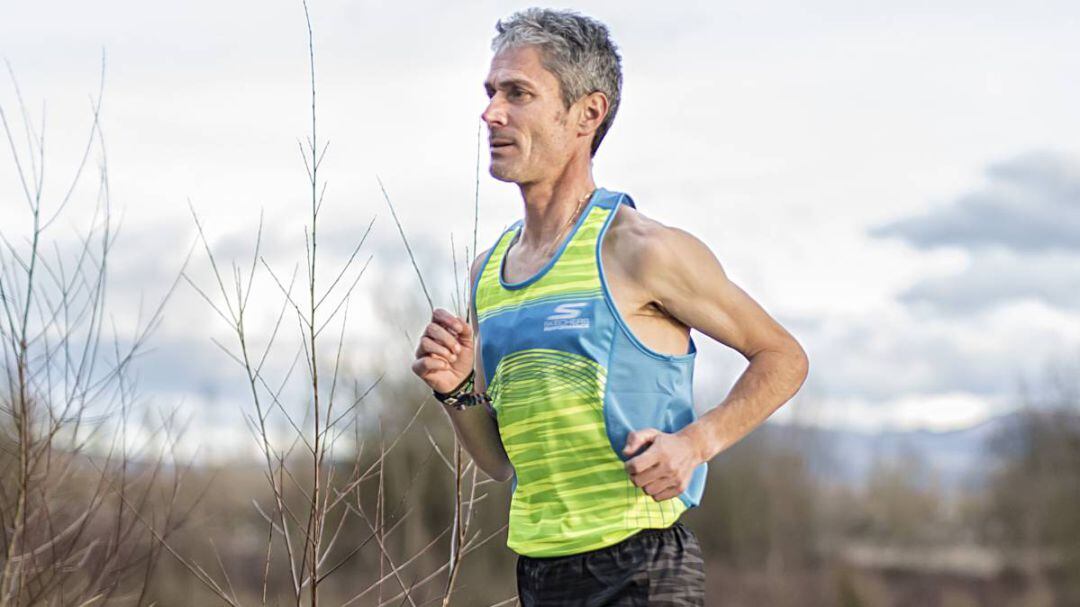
478, 265
639, 241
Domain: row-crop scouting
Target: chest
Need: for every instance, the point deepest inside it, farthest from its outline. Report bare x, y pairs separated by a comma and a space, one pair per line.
629, 295
631, 298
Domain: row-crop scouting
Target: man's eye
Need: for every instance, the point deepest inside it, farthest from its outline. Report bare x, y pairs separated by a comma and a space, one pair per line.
517, 94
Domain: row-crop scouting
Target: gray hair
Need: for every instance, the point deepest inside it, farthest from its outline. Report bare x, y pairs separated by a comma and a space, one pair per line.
576, 49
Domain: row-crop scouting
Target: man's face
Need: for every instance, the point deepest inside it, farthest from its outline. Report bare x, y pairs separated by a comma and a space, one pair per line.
530, 136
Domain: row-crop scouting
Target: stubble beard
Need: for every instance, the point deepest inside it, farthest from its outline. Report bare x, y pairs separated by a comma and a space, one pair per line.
506, 171
501, 174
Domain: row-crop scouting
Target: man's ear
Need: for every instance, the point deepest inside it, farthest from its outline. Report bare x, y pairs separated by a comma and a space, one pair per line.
594, 107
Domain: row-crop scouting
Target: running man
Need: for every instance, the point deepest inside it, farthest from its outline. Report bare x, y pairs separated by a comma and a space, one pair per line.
572, 375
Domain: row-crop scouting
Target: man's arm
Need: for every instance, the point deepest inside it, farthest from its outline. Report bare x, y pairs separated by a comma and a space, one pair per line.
687, 281
437, 362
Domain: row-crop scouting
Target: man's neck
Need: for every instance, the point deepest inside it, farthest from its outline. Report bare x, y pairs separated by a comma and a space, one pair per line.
551, 204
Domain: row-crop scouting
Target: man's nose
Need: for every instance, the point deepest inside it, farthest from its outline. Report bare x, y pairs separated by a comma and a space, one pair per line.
495, 113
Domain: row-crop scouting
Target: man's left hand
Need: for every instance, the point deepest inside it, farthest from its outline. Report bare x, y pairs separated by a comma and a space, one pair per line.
665, 467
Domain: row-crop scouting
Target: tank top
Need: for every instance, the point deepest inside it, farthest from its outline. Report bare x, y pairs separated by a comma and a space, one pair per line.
569, 381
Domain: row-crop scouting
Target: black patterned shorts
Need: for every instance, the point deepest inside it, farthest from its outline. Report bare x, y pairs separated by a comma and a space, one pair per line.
654, 567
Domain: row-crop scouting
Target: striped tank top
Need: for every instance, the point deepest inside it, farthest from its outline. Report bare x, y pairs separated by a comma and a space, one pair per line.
569, 381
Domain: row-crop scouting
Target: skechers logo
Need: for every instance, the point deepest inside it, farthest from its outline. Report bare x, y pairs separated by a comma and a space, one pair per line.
567, 316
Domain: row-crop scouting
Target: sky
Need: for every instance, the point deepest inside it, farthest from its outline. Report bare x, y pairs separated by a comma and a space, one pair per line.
898, 184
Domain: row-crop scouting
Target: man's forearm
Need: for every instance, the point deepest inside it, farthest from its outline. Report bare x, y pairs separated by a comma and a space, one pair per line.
479, 435
770, 380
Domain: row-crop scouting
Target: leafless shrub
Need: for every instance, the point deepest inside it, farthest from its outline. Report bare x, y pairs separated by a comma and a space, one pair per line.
318, 516
84, 490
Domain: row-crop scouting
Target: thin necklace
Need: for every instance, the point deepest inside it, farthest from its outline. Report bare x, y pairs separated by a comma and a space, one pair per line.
554, 243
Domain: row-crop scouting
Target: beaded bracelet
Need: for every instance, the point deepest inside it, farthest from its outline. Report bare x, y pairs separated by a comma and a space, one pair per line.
465, 385
469, 399
462, 396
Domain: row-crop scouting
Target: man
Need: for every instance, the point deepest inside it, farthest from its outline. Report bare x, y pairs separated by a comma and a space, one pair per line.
578, 348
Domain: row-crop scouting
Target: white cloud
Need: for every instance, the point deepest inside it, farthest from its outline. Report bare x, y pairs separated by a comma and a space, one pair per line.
933, 411
998, 276
1032, 204
776, 133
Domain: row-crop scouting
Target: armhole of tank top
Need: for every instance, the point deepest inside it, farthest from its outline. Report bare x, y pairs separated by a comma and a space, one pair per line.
476, 312
610, 300
483, 266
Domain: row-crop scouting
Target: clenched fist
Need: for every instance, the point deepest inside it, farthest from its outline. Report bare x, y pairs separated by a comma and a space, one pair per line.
444, 357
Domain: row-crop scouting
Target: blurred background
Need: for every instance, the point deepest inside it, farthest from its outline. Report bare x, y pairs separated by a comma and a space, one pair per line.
207, 397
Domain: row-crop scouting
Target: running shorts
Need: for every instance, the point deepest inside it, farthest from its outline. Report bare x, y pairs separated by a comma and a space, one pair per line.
652, 568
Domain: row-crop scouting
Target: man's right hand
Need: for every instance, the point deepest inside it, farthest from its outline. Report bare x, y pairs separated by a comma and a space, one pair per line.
444, 357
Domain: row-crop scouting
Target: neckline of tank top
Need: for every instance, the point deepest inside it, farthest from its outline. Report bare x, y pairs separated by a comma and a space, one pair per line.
558, 252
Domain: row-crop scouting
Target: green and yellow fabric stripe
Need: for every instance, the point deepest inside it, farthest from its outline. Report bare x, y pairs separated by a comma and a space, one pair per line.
573, 493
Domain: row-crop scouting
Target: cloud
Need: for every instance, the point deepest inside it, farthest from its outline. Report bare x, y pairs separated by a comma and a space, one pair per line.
997, 276
980, 329
755, 148
881, 356
1021, 233
937, 411
1031, 204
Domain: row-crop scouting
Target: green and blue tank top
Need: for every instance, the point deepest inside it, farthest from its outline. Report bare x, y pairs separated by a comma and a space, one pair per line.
569, 381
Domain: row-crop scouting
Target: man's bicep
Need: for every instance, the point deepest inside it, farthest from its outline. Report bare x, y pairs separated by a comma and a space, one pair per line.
692, 286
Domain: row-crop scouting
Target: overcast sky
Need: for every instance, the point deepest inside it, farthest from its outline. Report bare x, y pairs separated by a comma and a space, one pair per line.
897, 183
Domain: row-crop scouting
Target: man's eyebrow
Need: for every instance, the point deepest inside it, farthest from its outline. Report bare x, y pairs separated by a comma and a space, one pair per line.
507, 82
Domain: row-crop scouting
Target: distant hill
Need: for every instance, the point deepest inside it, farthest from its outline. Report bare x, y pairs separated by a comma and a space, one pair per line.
957, 458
